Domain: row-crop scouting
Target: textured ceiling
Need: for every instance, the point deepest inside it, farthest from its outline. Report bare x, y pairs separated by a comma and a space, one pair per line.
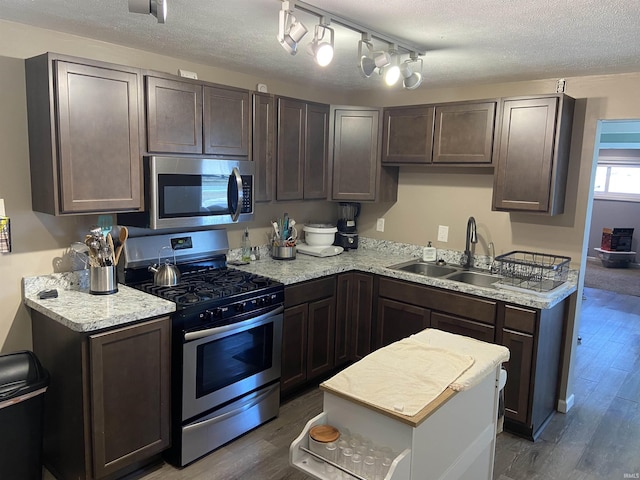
466, 41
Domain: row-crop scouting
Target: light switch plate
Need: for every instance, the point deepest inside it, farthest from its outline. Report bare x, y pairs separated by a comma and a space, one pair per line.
443, 233
380, 225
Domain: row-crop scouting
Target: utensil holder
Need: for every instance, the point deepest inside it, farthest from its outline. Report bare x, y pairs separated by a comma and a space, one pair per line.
102, 280
283, 253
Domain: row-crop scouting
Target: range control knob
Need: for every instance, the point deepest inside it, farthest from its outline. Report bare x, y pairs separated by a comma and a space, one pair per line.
266, 300
210, 315
239, 307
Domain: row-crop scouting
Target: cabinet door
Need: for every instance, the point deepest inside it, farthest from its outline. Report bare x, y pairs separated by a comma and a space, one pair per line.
263, 145
294, 347
531, 170
321, 337
407, 135
316, 152
462, 326
174, 116
226, 121
464, 133
354, 310
290, 150
398, 320
355, 154
98, 140
130, 392
518, 386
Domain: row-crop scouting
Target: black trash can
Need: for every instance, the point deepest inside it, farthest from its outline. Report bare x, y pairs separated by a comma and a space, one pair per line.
23, 382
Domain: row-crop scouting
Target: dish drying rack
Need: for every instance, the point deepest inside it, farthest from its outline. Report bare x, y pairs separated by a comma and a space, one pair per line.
540, 272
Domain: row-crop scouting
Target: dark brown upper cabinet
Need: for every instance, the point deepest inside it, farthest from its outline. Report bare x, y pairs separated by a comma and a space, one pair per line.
357, 174
464, 133
85, 123
302, 150
263, 146
451, 134
174, 116
533, 158
408, 135
196, 118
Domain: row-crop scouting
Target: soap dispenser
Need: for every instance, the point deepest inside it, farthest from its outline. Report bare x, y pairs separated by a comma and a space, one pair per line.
429, 253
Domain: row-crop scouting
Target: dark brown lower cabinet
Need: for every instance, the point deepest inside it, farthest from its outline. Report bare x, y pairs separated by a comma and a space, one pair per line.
398, 320
534, 339
107, 406
308, 334
354, 316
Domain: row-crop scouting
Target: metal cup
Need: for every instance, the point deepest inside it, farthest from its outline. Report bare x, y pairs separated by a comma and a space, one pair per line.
102, 280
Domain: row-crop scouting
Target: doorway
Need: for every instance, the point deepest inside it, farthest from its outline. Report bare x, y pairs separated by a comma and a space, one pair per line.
615, 203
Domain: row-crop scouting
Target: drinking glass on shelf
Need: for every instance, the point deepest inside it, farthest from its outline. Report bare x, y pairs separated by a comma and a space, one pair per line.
369, 467
345, 459
330, 452
356, 464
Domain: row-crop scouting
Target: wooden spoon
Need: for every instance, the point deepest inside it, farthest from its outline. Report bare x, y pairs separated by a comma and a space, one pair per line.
124, 234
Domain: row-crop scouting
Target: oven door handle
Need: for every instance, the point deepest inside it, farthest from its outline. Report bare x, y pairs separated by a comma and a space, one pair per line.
189, 336
236, 411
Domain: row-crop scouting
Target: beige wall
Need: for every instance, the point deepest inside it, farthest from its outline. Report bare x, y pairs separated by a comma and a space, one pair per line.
426, 199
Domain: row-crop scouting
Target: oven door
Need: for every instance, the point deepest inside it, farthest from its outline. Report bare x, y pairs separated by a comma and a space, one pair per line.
223, 363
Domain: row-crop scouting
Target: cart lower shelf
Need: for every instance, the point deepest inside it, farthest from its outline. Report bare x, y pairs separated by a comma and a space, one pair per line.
455, 442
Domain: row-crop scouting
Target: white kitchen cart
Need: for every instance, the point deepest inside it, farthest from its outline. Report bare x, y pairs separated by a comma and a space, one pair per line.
453, 437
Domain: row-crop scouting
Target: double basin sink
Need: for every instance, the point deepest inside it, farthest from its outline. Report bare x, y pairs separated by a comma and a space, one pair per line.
448, 272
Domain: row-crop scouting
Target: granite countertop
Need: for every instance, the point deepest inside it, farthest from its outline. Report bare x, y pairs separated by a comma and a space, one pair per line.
375, 256
81, 311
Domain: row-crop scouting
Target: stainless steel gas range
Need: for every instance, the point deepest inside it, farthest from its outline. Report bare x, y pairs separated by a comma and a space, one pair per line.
226, 339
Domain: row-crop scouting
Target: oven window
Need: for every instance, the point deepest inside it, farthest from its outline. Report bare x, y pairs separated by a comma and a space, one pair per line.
192, 195
233, 358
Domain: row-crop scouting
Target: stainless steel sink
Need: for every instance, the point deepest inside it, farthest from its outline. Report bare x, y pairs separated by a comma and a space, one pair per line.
424, 268
474, 278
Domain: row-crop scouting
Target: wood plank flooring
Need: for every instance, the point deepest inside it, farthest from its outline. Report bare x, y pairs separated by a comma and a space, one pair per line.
598, 439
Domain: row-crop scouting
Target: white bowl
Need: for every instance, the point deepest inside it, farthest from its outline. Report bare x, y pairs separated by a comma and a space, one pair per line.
319, 235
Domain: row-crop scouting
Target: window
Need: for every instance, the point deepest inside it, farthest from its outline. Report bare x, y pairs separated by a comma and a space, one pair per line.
618, 179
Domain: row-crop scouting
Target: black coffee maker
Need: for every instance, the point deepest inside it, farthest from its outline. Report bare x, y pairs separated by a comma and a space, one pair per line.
347, 234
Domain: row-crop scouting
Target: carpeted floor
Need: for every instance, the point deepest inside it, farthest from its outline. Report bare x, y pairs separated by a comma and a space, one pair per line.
621, 280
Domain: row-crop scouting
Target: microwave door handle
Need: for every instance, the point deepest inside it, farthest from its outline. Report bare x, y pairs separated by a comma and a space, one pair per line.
236, 180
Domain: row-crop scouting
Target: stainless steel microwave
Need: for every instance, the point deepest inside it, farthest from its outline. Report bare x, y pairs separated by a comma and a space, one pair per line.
184, 192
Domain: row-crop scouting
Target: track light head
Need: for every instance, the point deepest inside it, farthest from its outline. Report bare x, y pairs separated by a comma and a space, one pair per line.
290, 31
157, 8
321, 50
411, 78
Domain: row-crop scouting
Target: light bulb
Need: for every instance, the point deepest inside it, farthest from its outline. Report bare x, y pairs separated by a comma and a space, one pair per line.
392, 75
324, 54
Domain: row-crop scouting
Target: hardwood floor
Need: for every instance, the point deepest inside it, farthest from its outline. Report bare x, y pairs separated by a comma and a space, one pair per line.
598, 439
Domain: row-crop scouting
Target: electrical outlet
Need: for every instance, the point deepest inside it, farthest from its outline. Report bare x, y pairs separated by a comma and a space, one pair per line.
380, 225
443, 233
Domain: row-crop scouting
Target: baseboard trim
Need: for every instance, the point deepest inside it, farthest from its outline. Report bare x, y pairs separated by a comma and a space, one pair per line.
565, 405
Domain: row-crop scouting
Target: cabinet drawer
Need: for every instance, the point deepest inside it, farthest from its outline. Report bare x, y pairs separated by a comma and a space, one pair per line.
461, 326
309, 291
479, 309
520, 319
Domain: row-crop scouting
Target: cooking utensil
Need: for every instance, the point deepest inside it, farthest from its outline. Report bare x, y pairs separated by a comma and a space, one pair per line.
124, 234
166, 275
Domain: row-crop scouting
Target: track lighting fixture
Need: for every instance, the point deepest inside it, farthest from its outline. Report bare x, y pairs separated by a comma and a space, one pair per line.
290, 30
369, 63
411, 77
322, 50
157, 8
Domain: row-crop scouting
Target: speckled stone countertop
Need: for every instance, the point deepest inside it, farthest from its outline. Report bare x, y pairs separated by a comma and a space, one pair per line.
81, 311
375, 256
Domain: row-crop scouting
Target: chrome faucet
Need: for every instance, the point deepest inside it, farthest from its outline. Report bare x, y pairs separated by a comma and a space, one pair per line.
472, 237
